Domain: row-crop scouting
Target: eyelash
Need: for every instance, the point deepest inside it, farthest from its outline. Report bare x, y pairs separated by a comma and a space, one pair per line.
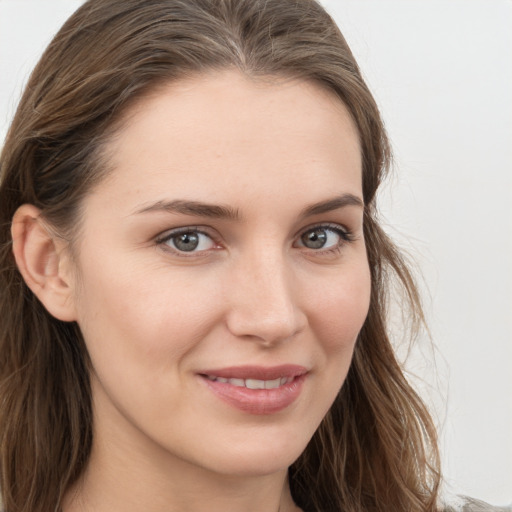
169, 235
346, 236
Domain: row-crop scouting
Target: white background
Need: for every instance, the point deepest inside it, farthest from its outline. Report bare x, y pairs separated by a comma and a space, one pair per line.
442, 74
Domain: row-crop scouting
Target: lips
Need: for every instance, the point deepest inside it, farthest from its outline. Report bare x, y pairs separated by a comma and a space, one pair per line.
254, 389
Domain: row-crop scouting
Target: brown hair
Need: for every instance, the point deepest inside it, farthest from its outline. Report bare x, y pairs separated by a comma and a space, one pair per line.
376, 448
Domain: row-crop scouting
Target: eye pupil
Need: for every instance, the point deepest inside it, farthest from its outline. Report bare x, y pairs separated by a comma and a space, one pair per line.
186, 241
314, 239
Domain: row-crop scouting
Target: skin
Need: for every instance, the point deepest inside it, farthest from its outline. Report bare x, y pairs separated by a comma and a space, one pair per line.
252, 293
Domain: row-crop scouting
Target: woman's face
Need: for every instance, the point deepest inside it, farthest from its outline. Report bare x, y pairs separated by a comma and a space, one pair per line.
222, 276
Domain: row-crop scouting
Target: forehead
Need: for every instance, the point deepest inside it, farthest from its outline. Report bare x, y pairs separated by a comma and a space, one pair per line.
223, 127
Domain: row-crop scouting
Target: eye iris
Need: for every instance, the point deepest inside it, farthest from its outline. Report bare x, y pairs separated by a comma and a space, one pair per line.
186, 241
315, 239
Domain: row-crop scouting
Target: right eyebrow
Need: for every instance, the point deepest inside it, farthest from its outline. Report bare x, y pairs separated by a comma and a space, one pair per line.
194, 208
334, 203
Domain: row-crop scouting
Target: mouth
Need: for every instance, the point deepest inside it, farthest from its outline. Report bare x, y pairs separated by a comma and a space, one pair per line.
257, 390
252, 383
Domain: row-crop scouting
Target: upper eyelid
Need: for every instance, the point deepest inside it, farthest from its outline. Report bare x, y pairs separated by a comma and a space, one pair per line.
206, 230
169, 233
326, 225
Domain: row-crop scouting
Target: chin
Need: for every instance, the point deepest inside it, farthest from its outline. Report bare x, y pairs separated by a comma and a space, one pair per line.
259, 458
245, 466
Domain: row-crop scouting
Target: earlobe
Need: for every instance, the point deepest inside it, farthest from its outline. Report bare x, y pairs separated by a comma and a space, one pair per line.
42, 262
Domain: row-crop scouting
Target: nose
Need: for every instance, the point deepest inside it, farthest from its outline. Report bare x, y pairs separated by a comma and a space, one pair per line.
263, 303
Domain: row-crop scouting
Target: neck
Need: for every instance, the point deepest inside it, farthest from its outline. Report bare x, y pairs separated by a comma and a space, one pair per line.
178, 491
127, 476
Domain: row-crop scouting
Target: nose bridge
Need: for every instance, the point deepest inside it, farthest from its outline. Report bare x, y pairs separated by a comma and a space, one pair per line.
264, 306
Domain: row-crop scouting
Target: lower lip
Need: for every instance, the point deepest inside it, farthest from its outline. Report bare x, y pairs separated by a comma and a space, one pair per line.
257, 401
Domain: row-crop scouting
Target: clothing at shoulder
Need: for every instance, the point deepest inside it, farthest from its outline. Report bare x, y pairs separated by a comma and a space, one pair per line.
465, 504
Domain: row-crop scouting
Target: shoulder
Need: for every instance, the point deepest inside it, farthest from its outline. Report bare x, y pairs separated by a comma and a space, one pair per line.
465, 504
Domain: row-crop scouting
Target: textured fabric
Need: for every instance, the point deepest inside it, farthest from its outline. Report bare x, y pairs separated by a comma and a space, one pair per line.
465, 504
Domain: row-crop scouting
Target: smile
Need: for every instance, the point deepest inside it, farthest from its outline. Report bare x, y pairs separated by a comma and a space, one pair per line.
253, 383
257, 390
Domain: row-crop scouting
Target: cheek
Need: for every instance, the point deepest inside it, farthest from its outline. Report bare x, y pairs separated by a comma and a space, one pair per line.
337, 311
141, 325
139, 313
341, 309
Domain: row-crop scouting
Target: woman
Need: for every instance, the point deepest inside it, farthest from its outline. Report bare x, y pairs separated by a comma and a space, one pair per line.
194, 280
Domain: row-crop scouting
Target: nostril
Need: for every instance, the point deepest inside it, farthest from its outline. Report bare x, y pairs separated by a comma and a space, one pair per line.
265, 329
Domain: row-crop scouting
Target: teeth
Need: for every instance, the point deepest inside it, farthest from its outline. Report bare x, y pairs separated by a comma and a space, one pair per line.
253, 383
272, 384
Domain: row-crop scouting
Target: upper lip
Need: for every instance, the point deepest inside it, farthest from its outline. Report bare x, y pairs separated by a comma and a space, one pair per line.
257, 372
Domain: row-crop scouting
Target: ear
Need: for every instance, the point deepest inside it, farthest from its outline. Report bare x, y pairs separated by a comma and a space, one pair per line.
43, 262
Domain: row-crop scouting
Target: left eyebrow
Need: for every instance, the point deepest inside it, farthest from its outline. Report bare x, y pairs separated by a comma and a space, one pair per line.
332, 204
194, 208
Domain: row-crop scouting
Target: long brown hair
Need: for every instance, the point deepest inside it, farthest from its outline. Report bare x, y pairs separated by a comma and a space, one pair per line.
376, 449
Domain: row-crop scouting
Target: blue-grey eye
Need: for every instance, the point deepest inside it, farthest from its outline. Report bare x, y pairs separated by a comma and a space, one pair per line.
320, 238
190, 241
